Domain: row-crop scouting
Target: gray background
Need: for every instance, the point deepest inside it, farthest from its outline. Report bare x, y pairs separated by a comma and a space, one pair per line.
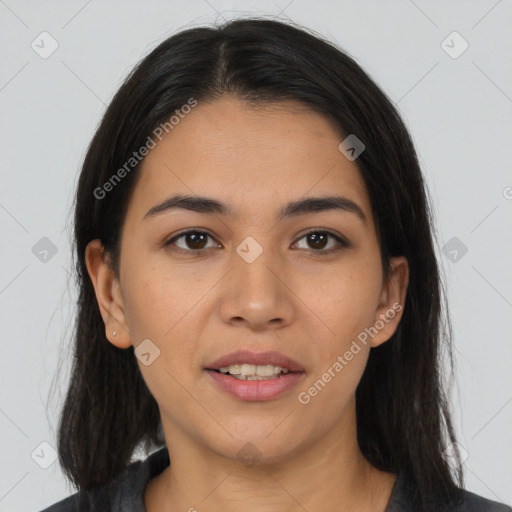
459, 113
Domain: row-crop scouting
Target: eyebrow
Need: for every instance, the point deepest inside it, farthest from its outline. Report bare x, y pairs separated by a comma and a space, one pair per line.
207, 205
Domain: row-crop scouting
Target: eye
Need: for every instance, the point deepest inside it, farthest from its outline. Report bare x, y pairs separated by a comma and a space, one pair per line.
192, 239
318, 240
195, 241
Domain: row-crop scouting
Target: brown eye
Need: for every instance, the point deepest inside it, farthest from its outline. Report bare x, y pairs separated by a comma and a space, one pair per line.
192, 240
318, 240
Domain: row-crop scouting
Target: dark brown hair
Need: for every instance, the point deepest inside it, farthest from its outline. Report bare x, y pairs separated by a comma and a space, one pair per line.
403, 418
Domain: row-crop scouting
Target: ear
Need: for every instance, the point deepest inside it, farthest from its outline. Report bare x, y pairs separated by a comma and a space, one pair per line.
392, 302
108, 294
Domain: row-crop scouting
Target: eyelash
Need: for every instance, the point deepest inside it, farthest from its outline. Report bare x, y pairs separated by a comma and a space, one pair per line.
341, 241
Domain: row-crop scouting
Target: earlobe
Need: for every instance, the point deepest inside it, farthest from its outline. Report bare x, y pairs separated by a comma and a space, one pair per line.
392, 302
106, 287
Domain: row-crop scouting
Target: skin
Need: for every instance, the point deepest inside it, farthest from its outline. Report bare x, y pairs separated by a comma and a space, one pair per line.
196, 307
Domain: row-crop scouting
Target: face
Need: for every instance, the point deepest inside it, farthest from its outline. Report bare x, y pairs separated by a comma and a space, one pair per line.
306, 284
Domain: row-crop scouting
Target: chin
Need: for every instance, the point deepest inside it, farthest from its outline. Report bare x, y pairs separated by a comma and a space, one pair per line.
255, 449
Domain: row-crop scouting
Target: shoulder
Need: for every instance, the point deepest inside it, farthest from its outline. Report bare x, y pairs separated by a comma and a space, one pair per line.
404, 493
475, 503
125, 493
94, 500
66, 505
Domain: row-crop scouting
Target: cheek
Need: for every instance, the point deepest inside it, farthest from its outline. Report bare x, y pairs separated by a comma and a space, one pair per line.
346, 309
166, 309
345, 299
327, 393
158, 309
157, 302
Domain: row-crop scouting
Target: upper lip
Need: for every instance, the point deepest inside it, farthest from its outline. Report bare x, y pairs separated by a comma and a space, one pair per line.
260, 358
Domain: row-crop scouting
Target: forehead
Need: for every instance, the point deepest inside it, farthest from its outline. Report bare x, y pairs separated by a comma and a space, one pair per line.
253, 158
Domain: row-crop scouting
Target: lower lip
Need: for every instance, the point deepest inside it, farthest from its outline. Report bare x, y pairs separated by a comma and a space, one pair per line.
255, 390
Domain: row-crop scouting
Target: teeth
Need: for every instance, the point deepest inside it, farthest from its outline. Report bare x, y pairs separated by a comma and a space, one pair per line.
234, 369
255, 377
253, 372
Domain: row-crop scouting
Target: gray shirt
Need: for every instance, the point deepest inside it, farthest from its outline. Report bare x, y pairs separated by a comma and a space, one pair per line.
127, 492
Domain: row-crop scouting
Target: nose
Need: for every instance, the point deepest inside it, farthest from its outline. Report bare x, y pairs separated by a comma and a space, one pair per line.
256, 293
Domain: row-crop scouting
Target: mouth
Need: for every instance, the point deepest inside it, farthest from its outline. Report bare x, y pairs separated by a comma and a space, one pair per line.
244, 371
255, 377
262, 364
254, 388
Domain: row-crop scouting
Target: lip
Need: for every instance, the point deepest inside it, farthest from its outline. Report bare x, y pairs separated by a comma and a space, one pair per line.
255, 390
260, 358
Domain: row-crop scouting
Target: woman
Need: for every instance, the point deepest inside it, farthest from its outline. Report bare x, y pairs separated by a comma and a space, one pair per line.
259, 293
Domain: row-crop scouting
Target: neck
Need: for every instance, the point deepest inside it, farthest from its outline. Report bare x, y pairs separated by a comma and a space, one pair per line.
330, 474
